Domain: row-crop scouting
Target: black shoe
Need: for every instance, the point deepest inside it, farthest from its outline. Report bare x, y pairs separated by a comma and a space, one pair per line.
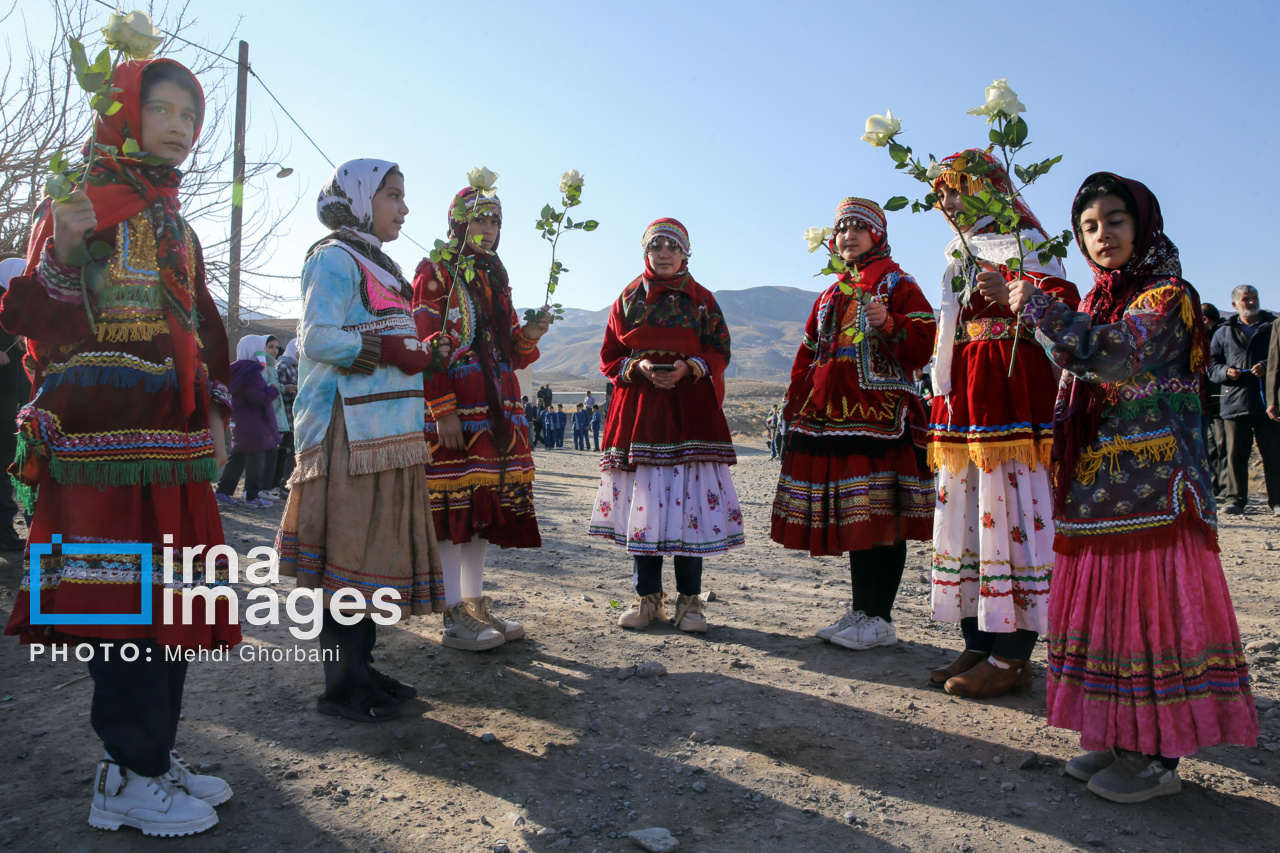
393, 687
367, 704
1234, 509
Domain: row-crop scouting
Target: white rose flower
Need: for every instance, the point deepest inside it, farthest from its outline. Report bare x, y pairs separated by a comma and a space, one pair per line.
816, 238
1001, 101
133, 34
571, 178
483, 180
881, 129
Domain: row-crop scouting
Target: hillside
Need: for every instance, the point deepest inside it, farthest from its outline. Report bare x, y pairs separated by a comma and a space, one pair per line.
765, 323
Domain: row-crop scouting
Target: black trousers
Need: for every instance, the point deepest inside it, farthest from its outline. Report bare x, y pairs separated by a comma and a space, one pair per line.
284, 461
648, 575
1014, 645
251, 465
875, 574
136, 705
1242, 434
351, 648
1215, 434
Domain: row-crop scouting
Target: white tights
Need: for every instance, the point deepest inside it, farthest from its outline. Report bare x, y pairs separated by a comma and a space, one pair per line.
463, 565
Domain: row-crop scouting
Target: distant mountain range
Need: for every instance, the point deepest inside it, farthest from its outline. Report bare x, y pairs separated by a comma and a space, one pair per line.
766, 325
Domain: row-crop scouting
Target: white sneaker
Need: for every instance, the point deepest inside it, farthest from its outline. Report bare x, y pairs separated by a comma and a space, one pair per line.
153, 805
211, 789
869, 632
847, 620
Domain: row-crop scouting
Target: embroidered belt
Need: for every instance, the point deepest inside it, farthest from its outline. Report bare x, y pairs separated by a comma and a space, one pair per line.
990, 329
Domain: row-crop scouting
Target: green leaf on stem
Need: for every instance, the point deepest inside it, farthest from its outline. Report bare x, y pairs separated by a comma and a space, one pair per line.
1015, 132
1044, 257
79, 59
59, 187
590, 225
547, 211
58, 163
99, 250
899, 153
102, 64
958, 283
130, 146
896, 203
996, 137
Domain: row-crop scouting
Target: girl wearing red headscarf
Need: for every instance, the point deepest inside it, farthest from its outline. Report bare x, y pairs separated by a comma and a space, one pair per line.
853, 472
989, 439
1145, 658
481, 469
119, 443
665, 486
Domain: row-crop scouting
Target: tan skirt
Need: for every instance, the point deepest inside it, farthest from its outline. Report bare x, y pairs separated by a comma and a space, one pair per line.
364, 532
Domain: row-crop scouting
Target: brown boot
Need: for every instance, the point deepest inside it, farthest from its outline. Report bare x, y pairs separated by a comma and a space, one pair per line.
646, 609
967, 661
986, 680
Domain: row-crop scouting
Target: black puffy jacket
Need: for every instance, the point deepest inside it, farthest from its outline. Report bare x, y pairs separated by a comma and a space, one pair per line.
1229, 348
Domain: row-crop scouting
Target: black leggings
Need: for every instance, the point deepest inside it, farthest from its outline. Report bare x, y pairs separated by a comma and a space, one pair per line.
648, 575
876, 574
351, 647
1014, 645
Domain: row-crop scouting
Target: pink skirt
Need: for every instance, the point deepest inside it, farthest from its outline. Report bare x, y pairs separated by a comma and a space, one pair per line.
1144, 651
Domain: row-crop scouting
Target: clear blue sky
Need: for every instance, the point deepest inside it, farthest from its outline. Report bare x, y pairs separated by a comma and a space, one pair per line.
742, 120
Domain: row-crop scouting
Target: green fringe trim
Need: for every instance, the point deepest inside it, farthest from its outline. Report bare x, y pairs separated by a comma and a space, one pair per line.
130, 295
25, 495
1131, 409
148, 472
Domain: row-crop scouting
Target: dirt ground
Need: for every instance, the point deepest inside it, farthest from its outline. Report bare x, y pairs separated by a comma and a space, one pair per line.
758, 737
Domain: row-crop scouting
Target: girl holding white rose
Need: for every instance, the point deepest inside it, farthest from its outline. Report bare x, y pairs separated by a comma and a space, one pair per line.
853, 470
481, 469
989, 440
1145, 659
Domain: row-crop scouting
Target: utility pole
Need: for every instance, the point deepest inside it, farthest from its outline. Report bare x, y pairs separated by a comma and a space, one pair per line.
237, 200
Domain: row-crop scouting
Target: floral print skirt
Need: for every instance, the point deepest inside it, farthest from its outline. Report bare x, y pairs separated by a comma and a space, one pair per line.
687, 509
993, 546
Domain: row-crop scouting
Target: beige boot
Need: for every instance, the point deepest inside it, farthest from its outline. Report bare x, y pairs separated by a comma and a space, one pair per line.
689, 615
464, 629
508, 629
646, 609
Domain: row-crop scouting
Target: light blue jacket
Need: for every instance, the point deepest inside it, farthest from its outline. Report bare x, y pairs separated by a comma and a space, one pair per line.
342, 301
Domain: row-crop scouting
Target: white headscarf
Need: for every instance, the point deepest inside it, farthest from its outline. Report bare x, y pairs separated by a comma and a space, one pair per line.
250, 346
346, 206
9, 268
291, 351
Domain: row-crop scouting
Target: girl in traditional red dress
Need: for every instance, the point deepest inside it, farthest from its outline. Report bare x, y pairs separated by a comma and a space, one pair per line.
989, 440
481, 469
119, 443
853, 471
1145, 659
665, 486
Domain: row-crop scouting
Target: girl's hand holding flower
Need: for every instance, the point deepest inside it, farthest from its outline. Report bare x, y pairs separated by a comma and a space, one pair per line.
993, 287
1020, 293
538, 326
877, 314
73, 220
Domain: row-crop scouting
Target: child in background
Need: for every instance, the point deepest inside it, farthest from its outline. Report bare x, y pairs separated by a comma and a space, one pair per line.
254, 430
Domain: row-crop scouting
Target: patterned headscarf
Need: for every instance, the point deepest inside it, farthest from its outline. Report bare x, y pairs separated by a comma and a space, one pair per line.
674, 231
870, 214
477, 204
669, 228
345, 206
959, 176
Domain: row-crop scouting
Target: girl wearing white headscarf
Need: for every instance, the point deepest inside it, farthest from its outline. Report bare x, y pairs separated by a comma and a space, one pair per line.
358, 517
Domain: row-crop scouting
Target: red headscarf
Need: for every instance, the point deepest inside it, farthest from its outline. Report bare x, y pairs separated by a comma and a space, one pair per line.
1155, 257
120, 187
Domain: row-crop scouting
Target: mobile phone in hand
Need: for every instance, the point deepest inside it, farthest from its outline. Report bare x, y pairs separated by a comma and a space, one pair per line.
665, 368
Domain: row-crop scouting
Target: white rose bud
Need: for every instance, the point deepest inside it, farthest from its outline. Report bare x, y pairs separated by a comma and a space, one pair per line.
1001, 101
816, 238
881, 129
571, 178
483, 180
133, 34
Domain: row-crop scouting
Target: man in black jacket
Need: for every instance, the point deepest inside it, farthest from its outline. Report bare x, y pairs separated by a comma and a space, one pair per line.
1238, 362
1215, 428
